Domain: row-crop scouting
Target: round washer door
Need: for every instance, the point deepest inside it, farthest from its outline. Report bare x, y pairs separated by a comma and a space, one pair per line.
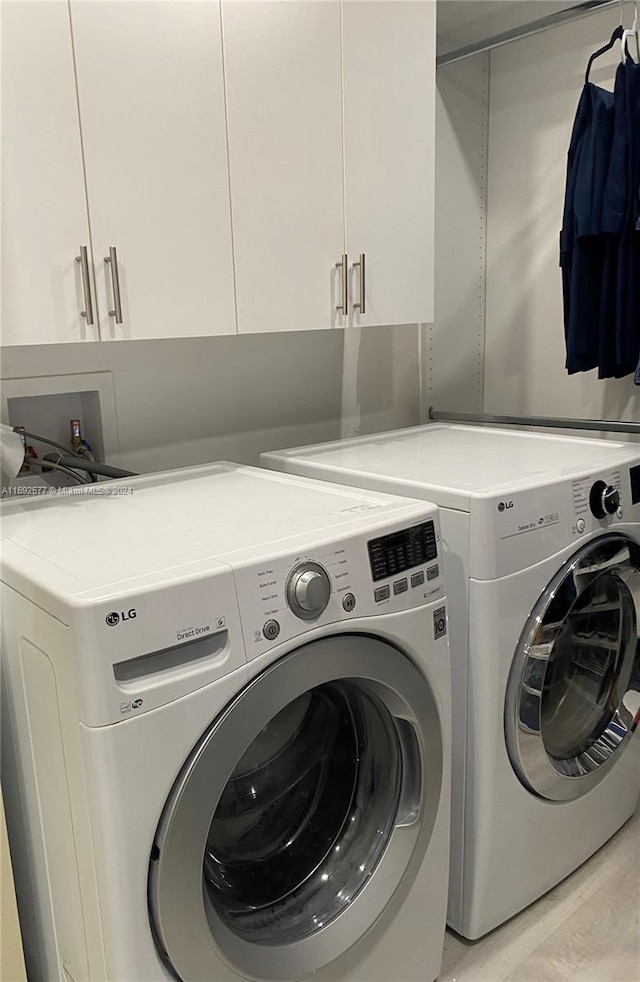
300, 812
574, 689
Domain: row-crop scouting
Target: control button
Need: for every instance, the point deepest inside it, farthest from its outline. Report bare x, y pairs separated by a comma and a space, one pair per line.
400, 586
433, 572
417, 579
271, 630
604, 499
381, 593
581, 525
611, 500
308, 590
619, 512
349, 602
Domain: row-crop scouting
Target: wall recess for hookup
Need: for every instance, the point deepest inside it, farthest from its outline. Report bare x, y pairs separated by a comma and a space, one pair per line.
45, 405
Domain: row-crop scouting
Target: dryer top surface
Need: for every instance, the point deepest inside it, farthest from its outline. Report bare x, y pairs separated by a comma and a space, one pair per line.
451, 464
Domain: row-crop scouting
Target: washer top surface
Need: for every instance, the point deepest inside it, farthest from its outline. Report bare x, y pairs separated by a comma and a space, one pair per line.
216, 512
450, 464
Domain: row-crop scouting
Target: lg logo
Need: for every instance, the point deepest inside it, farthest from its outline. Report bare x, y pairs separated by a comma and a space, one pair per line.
113, 617
502, 505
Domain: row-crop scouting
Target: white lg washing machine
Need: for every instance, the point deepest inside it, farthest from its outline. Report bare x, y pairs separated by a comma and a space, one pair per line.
222, 759
541, 540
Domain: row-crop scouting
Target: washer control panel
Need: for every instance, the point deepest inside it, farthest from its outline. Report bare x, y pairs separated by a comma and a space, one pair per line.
297, 592
400, 551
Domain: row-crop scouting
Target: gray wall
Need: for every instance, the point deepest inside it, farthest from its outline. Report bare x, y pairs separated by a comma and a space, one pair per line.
181, 402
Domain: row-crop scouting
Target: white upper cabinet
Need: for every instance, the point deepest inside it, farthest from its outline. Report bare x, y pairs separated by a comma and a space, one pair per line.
389, 135
152, 111
331, 114
214, 165
44, 210
283, 77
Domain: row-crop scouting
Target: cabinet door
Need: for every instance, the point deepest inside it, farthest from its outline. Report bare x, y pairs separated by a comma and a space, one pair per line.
283, 78
151, 96
389, 125
44, 212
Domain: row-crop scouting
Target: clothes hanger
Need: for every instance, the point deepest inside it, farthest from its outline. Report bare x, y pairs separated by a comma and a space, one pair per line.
618, 35
634, 32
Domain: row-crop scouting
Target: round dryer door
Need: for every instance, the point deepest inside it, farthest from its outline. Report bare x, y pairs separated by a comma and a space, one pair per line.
310, 800
573, 696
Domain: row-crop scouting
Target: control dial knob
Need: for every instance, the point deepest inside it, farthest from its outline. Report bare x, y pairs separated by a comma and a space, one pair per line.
308, 590
604, 499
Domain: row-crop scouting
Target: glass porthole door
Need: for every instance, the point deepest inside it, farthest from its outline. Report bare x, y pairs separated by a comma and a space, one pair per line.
573, 697
299, 813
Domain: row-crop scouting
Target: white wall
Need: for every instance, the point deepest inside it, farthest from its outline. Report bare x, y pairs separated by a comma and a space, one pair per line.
534, 91
181, 402
454, 346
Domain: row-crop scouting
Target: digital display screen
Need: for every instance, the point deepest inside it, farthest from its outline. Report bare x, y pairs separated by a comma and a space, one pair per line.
634, 475
395, 553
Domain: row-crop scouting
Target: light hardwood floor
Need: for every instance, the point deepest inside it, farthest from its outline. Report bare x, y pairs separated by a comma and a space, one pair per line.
587, 929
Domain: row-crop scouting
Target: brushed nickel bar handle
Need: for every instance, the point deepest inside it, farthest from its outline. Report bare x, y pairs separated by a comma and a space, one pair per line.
359, 305
83, 259
343, 264
112, 259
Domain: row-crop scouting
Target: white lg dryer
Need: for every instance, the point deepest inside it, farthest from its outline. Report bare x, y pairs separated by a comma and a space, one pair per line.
541, 540
222, 760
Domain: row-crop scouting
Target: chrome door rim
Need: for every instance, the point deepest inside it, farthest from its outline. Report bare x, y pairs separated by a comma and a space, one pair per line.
188, 930
568, 779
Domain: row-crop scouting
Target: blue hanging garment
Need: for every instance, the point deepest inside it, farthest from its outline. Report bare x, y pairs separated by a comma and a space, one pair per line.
600, 238
616, 359
629, 326
582, 245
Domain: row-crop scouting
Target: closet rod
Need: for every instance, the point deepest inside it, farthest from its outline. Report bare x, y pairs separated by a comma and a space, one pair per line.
527, 30
604, 425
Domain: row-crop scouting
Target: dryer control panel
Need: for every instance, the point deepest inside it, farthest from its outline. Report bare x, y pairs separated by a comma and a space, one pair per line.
396, 569
598, 500
513, 531
634, 484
